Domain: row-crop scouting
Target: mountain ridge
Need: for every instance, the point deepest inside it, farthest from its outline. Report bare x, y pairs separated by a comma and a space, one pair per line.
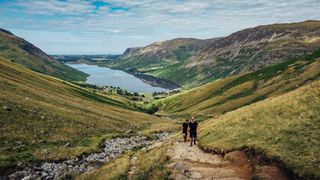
246, 50
23, 52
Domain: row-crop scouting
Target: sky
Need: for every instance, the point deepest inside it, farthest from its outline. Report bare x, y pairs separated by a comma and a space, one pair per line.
111, 26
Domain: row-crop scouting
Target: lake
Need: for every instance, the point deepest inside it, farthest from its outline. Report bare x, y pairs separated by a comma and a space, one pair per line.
103, 76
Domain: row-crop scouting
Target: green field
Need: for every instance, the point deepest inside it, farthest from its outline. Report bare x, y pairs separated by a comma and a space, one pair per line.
284, 128
40, 114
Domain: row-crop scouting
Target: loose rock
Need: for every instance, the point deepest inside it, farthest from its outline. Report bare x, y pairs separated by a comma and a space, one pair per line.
112, 149
6, 108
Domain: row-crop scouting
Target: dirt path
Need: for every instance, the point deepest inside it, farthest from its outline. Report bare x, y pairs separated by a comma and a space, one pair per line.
193, 163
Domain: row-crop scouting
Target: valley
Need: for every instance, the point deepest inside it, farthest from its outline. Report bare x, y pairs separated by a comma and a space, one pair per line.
47, 118
255, 94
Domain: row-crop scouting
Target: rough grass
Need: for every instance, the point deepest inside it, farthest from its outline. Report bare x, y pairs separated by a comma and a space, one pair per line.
231, 93
116, 169
285, 128
140, 164
46, 114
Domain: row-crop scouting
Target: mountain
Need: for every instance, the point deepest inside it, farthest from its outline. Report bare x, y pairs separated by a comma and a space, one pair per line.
230, 93
283, 129
254, 48
247, 50
40, 114
161, 54
22, 52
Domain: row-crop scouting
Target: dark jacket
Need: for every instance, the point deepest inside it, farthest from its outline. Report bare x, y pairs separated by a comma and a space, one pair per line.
185, 127
193, 126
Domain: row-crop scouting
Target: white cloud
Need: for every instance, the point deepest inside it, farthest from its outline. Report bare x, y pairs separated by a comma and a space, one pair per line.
138, 22
51, 7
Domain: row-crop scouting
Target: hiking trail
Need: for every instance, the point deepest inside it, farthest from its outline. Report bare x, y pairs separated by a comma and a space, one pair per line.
193, 163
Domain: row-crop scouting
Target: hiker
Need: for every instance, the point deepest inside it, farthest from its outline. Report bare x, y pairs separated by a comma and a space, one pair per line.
185, 130
193, 131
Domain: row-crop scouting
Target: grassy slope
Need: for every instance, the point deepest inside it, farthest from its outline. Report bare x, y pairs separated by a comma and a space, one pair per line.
286, 128
46, 113
24, 53
230, 93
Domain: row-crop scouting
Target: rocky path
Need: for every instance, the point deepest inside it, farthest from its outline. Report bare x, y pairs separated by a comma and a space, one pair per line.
112, 149
193, 163
186, 162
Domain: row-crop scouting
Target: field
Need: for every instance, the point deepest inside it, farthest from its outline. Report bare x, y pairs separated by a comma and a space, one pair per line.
46, 118
284, 128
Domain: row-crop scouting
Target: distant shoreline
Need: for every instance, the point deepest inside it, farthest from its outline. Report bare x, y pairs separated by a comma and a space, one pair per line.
154, 81
146, 78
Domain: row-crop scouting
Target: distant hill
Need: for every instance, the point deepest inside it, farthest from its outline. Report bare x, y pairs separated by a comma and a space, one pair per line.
40, 114
22, 52
161, 54
239, 90
192, 62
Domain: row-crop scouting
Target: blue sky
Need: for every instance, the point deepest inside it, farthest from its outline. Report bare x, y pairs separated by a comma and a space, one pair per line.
111, 26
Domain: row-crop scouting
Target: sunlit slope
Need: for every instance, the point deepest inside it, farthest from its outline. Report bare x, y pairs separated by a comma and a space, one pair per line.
39, 115
236, 91
285, 128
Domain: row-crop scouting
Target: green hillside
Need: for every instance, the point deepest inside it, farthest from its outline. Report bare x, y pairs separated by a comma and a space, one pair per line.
39, 115
236, 91
285, 129
191, 62
20, 51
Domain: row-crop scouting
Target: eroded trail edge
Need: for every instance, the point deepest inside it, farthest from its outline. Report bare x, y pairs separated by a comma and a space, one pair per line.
193, 163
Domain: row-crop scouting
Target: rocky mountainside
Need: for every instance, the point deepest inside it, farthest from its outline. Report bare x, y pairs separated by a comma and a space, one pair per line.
243, 51
254, 48
162, 53
22, 52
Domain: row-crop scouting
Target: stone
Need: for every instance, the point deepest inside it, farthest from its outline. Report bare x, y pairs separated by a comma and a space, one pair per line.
67, 144
56, 170
6, 108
